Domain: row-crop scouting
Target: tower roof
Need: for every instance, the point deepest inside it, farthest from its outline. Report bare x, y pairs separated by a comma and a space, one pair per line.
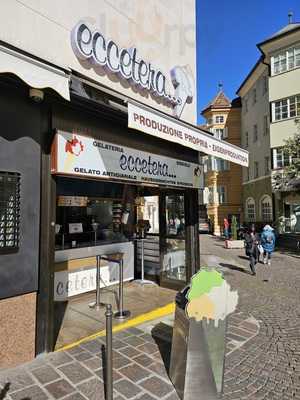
219, 101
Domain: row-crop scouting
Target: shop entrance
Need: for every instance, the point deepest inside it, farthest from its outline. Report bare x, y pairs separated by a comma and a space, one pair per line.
95, 218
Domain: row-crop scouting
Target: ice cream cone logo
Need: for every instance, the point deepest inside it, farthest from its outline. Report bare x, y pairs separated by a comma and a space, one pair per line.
210, 297
74, 146
73, 149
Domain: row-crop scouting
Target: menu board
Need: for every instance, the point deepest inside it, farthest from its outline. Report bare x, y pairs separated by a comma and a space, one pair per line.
72, 201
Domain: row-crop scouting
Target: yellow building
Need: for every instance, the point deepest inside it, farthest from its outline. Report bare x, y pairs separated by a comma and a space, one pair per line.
223, 179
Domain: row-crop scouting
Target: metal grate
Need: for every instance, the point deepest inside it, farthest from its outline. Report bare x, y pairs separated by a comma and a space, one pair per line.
9, 211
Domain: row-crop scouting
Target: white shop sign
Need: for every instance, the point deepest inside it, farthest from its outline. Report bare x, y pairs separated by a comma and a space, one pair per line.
71, 283
84, 156
155, 124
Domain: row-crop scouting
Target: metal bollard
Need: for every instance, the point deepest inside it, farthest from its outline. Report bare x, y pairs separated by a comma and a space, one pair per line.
121, 314
109, 355
97, 304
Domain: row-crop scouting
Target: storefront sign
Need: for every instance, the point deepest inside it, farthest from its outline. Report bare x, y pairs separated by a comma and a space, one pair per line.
72, 201
74, 154
71, 283
156, 124
91, 46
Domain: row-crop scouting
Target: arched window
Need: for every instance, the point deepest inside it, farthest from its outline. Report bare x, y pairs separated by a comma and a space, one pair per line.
266, 208
250, 209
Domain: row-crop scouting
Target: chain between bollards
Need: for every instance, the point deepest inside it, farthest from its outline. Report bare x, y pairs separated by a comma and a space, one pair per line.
109, 355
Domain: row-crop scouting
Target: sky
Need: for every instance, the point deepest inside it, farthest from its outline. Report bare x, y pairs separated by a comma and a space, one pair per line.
227, 34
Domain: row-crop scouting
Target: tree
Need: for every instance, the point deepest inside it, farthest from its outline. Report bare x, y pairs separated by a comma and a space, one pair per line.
292, 147
290, 176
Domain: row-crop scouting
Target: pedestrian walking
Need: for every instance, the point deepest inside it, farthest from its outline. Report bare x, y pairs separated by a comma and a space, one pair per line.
226, 228
268, 243
251, 247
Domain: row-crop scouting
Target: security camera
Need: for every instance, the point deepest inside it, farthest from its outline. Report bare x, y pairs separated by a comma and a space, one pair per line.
36, 95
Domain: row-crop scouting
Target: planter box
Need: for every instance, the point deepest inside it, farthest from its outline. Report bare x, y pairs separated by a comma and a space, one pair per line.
234, 244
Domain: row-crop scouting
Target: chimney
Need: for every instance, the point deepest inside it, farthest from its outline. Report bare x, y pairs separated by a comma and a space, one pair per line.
290, 15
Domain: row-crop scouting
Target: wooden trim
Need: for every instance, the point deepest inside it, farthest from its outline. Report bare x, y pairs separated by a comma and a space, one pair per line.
82, 263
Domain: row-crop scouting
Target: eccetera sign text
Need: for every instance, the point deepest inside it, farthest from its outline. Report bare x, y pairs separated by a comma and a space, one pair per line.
92, 46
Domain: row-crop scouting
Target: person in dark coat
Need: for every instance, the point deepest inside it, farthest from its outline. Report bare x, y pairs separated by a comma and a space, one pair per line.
251, 247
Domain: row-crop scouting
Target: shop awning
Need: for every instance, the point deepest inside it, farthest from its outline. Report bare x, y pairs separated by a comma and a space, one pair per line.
36, 74
155, 123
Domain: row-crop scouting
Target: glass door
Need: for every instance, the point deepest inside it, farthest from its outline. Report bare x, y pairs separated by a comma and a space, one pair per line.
173, 240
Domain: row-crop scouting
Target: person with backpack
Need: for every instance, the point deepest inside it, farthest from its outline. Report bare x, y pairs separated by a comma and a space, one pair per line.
251, 247
268, 243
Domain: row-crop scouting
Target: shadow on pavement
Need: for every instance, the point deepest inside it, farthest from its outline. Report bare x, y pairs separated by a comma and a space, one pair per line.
162, 334
244, 257
235, 268
4, 391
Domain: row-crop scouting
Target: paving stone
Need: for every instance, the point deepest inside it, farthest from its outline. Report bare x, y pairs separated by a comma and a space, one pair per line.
173, 396
157, 386
127, 388
75, 350
59, 389
129, 351
93, 363
148, 348
135, 331
134, 341
94, 346
45, 374
120, 362
84, 355
118, 344
59, 358
147, 338
122, 335
135, 372
75, 372
146, 396
159, 369
93, 389
143, 360
75, 396
17, 379
30, 393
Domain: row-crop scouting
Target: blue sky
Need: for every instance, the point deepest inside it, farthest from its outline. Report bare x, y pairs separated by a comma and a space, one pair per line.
227, 34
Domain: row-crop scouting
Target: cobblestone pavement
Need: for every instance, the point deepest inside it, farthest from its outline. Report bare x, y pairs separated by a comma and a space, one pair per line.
262, 356
77, 374
267, 366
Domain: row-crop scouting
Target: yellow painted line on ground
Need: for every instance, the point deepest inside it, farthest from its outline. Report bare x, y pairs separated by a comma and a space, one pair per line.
140, 319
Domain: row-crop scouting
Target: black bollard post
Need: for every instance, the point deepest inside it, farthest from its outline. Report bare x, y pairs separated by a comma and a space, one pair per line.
109, 355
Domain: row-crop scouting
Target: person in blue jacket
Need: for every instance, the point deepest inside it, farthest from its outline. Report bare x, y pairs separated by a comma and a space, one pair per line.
268, 243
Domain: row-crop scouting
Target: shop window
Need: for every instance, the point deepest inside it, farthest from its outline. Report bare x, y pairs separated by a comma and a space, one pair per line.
9, 211
266, 208
250, 209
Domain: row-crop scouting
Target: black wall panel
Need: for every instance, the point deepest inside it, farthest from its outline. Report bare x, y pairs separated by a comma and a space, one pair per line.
20, 121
